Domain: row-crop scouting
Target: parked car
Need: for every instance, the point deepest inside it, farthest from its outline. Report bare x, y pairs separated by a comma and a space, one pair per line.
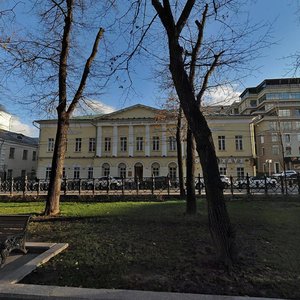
256, 182
101, 183
289, 173
225, 180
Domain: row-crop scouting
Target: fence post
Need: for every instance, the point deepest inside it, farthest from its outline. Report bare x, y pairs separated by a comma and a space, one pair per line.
123, 187
137, 185
298, 181
231, 185
65, 185
11, 186
248, 184
153, 184
199, 184
266, 184
169, 183
79, 186
24, 185
107, 184
94, 187
282, 186
38, 187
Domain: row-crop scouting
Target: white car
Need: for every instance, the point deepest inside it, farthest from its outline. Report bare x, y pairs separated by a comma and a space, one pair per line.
256, 182
289, 173
102, 182
225, 180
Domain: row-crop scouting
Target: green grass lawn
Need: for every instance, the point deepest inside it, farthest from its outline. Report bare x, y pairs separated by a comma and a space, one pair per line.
155, 246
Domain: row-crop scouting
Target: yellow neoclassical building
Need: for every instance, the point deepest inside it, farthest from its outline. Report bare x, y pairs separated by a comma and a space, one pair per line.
138, 142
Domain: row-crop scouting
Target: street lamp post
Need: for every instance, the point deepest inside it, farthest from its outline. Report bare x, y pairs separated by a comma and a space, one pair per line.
269, 162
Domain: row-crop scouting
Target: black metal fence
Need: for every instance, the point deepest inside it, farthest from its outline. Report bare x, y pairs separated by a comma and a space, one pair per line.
153, 185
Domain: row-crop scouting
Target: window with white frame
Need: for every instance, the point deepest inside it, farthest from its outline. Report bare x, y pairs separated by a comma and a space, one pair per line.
105, 169
48, 173
155, 143
139, 143
288, 150
172, 171
287, 138
221, 142
122, 170
123, 143
262, 151
297, 125
240, 172
275, 150
107, 144
90, 173
155, 169
276, 167
92, 144
273, 125
284, 113
76, 173
223, 170
50, 147
286, 125
78, 144
11, 153
239, 142
172, 143
274, 137
25, 154
262, 139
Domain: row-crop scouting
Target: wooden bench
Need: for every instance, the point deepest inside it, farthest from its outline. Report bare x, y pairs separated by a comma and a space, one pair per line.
12, 234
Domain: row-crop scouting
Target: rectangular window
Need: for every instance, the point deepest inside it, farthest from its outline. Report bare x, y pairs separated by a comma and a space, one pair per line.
297, 112
155, 143
23, 173
287, 138
64, 173
139, 143
34, 155
172, 143
90, 173
286, 125
78, 145
274, 137
92, 145
9, 173
25, 154
288, 150
298, 136
123, 144
297, 125
273, 125
240, 172
277, 167
275, 150
48, 173
262, 139
107, 144
238, 142
223, 171
50, 145
76, 172
12, 153
262, 151
284, 113
221, 142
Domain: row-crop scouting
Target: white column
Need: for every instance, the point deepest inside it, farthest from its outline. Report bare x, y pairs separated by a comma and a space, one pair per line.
99, 141
147, 142
164, 140
115, 141
130, 140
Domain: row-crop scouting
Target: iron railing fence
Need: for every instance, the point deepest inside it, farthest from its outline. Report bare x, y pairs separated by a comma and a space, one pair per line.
153, 185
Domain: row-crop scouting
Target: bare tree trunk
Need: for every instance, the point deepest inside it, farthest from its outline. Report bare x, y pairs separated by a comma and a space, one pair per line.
179, 153
191, 205
53, 197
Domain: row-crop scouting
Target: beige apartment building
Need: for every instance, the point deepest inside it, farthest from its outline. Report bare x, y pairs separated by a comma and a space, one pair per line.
134, 142
275, 107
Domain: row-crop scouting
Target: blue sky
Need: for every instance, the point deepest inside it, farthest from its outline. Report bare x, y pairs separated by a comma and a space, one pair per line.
274, 63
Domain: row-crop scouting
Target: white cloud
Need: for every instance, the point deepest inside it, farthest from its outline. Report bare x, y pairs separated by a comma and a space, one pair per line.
17, 126
222, 95
92, 107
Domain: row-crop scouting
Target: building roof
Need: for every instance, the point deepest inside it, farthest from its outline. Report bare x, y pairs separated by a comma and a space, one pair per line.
17, 138
270, 82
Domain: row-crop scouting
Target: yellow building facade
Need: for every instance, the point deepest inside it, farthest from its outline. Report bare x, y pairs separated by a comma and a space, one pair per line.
135, 142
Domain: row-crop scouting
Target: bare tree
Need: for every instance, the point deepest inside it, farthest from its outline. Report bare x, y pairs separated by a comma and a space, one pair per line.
212, 55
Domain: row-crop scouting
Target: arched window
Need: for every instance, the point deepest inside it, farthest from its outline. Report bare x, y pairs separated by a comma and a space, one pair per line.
122, 170
172, 171
155, 169
105, 169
